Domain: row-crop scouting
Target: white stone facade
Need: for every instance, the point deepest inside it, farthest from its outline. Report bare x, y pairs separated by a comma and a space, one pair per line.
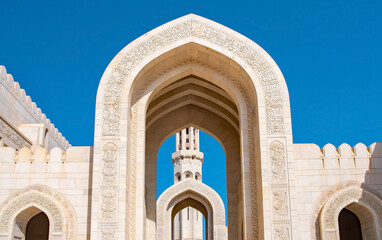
188, 72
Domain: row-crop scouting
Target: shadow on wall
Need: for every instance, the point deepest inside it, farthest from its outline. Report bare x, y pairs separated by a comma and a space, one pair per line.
355, 201
369, 210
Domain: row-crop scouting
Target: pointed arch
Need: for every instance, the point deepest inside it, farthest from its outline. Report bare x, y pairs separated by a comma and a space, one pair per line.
224, 58
60, 213
363, 201
200, 197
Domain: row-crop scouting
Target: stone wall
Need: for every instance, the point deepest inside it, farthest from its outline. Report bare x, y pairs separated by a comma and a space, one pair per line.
67, 173
319, 170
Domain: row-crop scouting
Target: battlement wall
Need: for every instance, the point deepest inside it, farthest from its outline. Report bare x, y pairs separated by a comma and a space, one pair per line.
18, 109
38, 154
344, 157
66, 172
317, 170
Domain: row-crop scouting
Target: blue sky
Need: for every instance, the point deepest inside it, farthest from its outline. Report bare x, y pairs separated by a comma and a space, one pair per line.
330, 53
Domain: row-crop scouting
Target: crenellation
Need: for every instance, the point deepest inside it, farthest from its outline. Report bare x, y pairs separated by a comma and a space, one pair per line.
41, 154
343, 157
10, 81
275, 189
26, 108
331, 156
3, 74
346, 156
23, 155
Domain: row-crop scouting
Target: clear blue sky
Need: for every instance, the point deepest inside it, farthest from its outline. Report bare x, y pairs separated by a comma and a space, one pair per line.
330, 53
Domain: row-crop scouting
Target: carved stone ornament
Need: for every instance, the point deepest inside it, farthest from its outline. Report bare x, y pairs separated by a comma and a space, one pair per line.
10, 133
280, 233
109, 192
108, 206
279, 191
206, 32
280, 203
108, 235
109, 171
278, 168
335, 205
59, 211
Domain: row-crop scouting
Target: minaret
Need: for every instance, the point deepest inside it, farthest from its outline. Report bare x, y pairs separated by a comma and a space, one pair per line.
187, 160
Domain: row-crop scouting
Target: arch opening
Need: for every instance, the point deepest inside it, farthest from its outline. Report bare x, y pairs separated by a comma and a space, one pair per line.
349, 225
38, 228
189, 163
31, 224
342, 211
191, 194
195, 46
196, 102
190, 207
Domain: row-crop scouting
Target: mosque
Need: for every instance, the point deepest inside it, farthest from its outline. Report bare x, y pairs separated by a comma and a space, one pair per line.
187, 75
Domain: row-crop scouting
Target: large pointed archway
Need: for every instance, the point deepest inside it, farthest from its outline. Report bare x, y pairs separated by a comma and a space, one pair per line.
252, 109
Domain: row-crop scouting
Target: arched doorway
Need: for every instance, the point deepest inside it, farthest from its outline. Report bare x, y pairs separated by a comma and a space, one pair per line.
189, 204
191, 193
349, 225
232, 90
30, 208
189, 101
38, 227
191, 153
31, 224
351, 211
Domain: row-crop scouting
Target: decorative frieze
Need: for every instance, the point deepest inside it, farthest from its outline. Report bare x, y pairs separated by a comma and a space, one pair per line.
241, 48
60, 212
279, 190
109, 170
8, 132
108, 235
278, 169
201, 30
109, 191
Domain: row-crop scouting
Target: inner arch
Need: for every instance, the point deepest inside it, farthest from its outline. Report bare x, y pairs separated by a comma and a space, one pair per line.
190, 202
193, 101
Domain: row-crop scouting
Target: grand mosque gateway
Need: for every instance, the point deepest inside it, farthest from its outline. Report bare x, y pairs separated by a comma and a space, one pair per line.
186, 76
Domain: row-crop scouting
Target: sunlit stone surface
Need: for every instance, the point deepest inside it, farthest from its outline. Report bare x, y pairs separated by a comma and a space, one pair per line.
188, 73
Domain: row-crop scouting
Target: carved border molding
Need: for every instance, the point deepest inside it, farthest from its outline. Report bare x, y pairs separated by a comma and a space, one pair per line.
251, 126
332, 208
279, 191
206, 32
7, 131
243, 49
329, 194
108, 194
62, 214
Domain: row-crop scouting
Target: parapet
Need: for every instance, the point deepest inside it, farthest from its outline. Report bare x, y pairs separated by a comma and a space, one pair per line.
26, 102
345, 156
40, 154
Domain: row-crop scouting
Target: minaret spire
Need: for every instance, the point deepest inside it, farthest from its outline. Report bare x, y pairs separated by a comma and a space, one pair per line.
187, 160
